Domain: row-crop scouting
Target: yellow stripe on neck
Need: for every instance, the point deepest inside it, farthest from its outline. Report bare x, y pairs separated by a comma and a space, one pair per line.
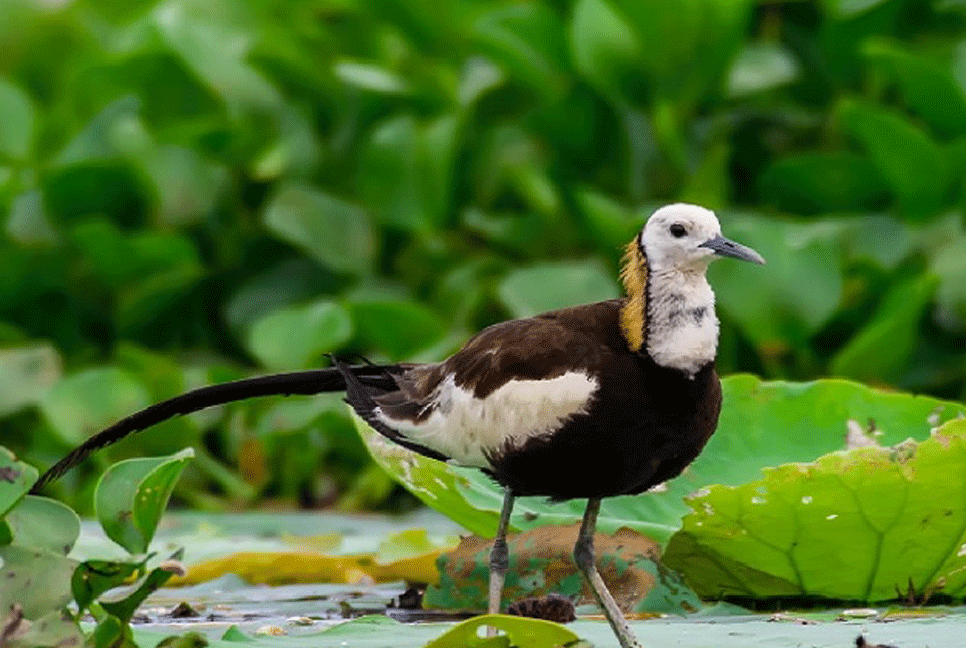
633, 317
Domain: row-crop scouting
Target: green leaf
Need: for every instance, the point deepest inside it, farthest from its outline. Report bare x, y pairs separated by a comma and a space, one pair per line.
927, 84
297, 337
42, 523
762, 424
521, 632
215, 45
882, 348
125, 603
17, 125
336, 233
396, 328
88, 401
55, 629
111, 632
37, 580
528, 40
407, 168
610, 41
825, 528
760, 67
772, 305
25, 374
611, 224
94, 577
131, 496
370, 77
915, 167
811, 183
949, 264
544, 287
16, 479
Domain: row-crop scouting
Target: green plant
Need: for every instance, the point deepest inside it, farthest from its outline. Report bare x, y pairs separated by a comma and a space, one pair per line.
38, 578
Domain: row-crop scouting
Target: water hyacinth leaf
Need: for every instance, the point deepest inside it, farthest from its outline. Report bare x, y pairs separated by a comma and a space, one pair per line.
17, 125
949, 264
609, 39
528, 40
811, 183
529, 291
94, 577
16, 479
42, 523
882, 348
521, 632
25, 374
812, 419
336, 233
927, 84
761, 66
297, 337
776, 309
396, 328
915, 167
123, 604
37, 580
57, 628
131, 496
90, 400
370, 77
825, 528
215, 45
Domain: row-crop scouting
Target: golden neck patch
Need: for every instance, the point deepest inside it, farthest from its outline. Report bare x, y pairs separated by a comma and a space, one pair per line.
633, 317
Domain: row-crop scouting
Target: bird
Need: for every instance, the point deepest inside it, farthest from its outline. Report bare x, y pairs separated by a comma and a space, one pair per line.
585, 402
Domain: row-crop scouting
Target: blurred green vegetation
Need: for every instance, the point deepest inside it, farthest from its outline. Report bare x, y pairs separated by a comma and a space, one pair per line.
197, 190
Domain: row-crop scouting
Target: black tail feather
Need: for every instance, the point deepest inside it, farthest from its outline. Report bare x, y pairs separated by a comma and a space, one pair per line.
310, 382
360, 397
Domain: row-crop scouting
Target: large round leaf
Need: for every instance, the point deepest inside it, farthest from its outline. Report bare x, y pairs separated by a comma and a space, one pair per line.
862, 525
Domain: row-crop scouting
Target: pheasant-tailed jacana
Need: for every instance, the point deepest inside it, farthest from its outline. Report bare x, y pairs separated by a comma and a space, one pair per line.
591, 401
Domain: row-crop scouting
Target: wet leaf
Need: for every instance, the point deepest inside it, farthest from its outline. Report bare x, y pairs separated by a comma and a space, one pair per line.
858, 525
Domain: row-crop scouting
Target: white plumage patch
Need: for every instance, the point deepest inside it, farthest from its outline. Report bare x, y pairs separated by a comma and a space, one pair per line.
682, 327
465, 427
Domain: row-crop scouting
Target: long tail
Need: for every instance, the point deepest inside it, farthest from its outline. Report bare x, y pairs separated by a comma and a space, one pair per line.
315, 381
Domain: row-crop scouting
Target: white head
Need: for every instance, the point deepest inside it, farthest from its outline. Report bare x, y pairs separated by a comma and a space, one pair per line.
687, 238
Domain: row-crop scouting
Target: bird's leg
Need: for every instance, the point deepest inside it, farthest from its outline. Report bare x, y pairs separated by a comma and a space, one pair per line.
500, 555
584, 557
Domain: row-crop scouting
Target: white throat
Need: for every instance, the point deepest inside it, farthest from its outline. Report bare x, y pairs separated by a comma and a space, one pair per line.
682, 328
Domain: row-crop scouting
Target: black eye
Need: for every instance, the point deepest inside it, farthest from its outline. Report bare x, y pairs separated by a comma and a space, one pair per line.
677, 230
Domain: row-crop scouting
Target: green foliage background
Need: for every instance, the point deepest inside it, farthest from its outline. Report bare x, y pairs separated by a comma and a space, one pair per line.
196, 190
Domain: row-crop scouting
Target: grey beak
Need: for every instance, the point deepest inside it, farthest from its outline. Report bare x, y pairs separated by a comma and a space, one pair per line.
724, 247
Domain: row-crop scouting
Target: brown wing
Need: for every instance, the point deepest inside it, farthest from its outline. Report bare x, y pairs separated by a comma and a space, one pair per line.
535, 348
